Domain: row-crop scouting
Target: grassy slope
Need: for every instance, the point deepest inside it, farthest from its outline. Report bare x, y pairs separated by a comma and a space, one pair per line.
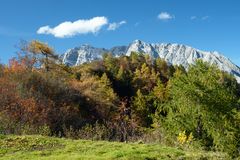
39, 147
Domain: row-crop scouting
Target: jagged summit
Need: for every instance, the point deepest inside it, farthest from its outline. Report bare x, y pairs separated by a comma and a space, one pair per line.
173, 53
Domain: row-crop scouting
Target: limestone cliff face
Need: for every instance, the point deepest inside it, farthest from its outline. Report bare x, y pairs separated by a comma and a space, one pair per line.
175, 54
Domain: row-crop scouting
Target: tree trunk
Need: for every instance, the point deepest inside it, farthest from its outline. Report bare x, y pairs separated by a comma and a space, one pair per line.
47, 68
199, 127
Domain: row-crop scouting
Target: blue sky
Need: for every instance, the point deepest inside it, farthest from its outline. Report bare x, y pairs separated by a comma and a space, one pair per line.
204, 24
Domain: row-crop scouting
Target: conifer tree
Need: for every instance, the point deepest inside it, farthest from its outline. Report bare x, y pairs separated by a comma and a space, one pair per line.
40, 49
203, 104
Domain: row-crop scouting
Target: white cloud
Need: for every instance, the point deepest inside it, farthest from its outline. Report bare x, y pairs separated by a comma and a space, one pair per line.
205, 17
199, 18
44, 30
193, 17
69, 29
136, 24
114, 26
165, 16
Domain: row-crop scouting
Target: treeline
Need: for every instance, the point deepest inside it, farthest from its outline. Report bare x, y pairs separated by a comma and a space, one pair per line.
133, 98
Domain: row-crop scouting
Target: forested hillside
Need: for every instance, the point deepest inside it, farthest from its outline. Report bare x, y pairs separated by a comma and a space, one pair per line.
129, 98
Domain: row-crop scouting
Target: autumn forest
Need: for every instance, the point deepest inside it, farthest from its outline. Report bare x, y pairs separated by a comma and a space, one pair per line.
126, 99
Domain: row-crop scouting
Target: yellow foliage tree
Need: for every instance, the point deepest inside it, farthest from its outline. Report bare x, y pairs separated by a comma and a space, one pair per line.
42, 49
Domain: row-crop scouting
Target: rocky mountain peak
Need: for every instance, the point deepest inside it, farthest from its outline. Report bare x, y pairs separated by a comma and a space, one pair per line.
176, 54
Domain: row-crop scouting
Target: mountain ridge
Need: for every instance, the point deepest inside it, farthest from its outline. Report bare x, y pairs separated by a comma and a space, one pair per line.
173, 53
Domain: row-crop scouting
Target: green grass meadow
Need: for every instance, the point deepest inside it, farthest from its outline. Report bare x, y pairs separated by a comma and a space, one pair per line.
40, 147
